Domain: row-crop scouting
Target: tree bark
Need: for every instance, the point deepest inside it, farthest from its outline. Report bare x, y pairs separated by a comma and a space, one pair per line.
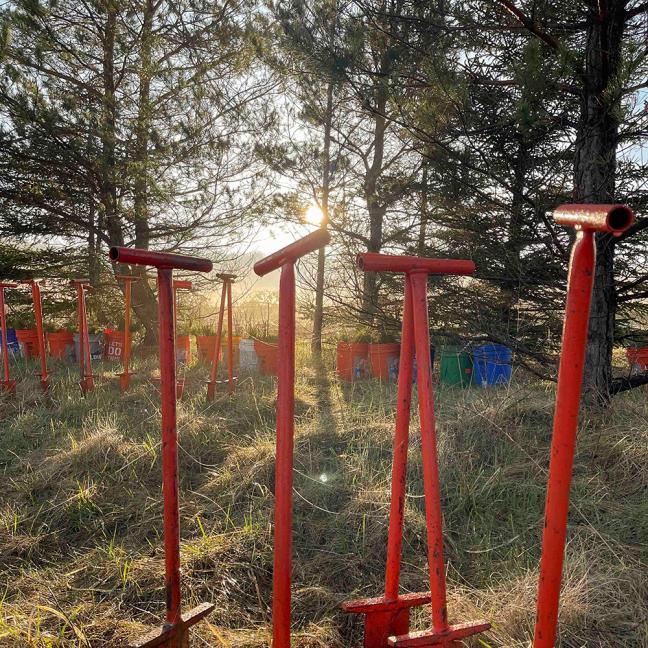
318, 315
93, 243
375, 207
422, 236
144, 302
513, 247
108, 132
594, 179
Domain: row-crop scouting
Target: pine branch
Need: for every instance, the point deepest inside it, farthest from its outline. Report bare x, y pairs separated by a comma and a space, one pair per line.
639, 226
620, 385
639, 295
642, 8
530, 25
565, 87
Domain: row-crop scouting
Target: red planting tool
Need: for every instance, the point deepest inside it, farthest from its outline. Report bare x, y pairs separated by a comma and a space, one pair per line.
40, 335
7, 384
175, 632
179, 284
282, 570
226, 293
387, 616
124, 377
86, 379
587, 221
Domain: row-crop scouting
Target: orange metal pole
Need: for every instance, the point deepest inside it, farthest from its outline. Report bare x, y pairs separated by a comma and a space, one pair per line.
587, 219
282, 570
401, 440
211, 385
166, 298
230, 350
38, 312
389, 615
86, 379
8, 384
226, 294
40, 334
175, 632
124, 377
431, 487
178, 284
86, 338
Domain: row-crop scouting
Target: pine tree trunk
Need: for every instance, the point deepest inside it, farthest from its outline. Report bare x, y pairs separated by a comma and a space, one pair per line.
374, 205
594, 180
318, 315
108, 132
93, 243
144, 302
510, 285
422, 236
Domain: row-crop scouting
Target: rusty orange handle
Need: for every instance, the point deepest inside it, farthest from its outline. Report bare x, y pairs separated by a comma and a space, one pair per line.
376, 262
159, 259
613, 219
292, 252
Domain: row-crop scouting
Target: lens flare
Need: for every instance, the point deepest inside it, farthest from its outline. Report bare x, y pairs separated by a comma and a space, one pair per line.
314, 215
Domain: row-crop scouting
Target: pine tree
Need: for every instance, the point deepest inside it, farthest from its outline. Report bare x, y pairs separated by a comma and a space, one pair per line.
129, 128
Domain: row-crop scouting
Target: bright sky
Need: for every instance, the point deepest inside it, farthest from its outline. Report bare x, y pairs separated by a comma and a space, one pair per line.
283, 235
270, 238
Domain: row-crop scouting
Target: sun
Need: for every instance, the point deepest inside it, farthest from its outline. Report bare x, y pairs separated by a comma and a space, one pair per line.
314, 215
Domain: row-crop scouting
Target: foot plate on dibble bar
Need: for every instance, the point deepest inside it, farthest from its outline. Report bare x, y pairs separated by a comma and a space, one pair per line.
432, 638
385, 617
174, 635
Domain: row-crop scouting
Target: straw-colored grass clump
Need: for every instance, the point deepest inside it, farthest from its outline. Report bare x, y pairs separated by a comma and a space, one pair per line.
80, 513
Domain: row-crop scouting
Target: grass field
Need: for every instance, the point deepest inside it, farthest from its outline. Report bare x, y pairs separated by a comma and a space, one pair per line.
81, 561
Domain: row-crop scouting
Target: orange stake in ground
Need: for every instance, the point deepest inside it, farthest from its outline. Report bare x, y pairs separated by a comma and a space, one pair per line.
179, 284
124, 376
86, 379
7, 384
40, 334
226, 293
387, 617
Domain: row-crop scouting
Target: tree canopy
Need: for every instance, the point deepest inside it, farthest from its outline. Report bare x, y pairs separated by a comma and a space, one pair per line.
443, 128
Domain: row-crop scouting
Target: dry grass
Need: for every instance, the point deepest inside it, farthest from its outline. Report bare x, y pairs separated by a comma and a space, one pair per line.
80, 513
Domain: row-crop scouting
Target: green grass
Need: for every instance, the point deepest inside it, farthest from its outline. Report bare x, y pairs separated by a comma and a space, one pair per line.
81, 559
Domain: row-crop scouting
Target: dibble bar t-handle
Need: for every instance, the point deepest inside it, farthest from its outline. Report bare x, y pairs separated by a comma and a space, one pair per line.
175, 632
587, 220
387, 616
282, 563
